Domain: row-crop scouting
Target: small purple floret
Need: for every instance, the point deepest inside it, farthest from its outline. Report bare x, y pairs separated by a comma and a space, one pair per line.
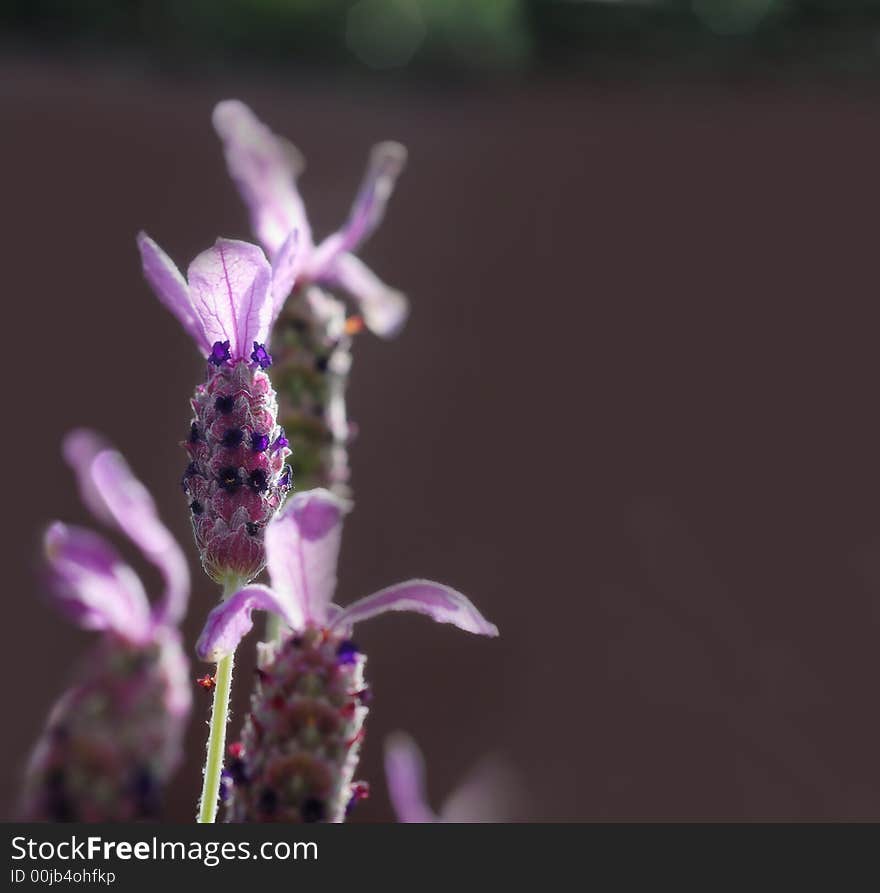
226, 784
237, 771
284, 480
258, 480
347, 652
228, 478
233, 438
224, 404
259, 442
312, 810
219, 353
280, 442
261, 356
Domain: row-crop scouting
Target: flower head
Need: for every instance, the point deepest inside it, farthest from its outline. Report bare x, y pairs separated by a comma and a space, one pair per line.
489, 794
302, 738
113, 740
233, 484
265, 168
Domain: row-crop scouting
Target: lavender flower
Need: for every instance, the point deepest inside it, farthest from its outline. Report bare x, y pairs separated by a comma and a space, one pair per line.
265, 169
312, 344
301, 740
114, 738
489, 794
236, 478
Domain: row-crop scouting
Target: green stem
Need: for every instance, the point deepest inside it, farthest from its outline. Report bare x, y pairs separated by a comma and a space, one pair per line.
217, 733
273, 627
216, 742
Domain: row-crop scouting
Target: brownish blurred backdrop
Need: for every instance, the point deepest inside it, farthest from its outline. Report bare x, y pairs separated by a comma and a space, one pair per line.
632, 415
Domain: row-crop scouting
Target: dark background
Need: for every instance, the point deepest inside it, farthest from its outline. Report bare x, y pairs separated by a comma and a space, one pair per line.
632, 415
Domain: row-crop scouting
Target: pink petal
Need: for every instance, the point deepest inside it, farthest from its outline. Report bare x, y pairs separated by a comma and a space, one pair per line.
92, 584
231, 620
286, 267
135, 513
302, 548
116, 497
170, 288
79, 448
230, 287
384, 308
439, 602
490, 793
405, 775
264, 167
386, 162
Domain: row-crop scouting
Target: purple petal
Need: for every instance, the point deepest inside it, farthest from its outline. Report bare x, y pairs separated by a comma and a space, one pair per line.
384, 308
170, 288
439, 602
79, 448
230, 286
231, 620
116, 497
490, 793
302, 548
405, 775
264, 167
386, 162
134, 511
92, 584
287, 265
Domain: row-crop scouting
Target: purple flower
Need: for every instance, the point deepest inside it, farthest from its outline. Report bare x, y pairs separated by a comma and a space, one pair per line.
227, 305
261, 356
489, 794
115, 737
220, 353
301, 739
265, 169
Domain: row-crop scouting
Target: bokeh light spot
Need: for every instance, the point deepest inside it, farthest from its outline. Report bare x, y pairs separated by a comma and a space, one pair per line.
385, 33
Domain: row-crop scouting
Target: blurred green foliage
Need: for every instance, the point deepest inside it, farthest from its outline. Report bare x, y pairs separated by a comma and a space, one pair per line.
468, 36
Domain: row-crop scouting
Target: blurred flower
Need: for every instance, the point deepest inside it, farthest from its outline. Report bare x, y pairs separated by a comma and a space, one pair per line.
301, 740
312, 342
236, 479
113, 740
489, 794
265, 170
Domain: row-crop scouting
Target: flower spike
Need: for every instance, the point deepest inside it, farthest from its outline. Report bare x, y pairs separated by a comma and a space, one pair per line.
232, 488
302, 737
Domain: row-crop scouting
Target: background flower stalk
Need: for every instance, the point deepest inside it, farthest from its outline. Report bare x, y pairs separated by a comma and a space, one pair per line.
114, 739
313, 338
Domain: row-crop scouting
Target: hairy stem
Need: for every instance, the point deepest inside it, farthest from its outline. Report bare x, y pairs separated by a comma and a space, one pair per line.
216, 742
217, 734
